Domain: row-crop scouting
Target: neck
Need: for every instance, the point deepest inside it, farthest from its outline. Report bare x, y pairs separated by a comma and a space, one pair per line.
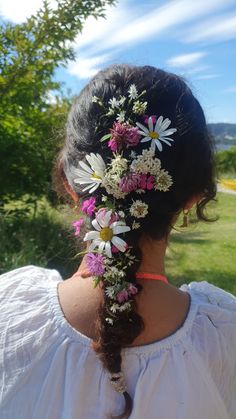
153, 255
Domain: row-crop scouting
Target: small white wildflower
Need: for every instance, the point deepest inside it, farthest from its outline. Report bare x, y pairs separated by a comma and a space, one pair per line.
163, 181
121, 214
133, 154
114, 103
104, 198
114, 308
133, 93
109, 320
140, 191
121, 116
135, 225
125, 306
139, 209
146, 163
110, 112
119, 164
110, 291
122, 100
95, 99
139, 107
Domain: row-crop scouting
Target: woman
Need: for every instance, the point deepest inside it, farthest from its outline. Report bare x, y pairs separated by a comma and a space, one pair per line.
116, 339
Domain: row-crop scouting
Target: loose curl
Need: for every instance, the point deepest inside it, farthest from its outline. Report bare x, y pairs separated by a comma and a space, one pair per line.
189, 161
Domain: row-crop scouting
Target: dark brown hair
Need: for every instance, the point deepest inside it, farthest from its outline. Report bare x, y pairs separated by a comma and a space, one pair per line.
189, 161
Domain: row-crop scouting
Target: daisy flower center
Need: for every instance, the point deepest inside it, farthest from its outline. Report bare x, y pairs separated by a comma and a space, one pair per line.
106, 234
95, 176
153, 134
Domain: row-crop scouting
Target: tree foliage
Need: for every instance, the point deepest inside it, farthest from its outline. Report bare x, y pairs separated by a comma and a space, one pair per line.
30, 53
226, 161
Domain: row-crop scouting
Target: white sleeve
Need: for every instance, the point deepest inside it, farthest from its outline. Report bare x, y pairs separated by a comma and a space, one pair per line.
26, 322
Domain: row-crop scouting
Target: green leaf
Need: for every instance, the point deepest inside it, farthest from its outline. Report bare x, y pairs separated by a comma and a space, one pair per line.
105, 137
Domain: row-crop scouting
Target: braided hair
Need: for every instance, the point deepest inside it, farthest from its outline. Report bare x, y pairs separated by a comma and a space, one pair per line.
189, 162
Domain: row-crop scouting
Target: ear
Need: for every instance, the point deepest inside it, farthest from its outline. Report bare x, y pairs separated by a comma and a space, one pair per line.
70, 191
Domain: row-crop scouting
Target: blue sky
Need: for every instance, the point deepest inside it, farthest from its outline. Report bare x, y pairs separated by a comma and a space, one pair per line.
193, 38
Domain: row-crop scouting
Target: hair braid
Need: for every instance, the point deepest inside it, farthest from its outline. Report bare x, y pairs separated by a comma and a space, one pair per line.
127, 326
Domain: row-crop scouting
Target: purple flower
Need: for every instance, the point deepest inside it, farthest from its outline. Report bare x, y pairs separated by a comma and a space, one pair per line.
122, 296
132, 136
129, 182
88, 206
145, 118
132, 290
95, 264
77, 224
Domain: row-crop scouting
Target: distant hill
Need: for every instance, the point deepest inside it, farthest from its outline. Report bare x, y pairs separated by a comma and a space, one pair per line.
224, 134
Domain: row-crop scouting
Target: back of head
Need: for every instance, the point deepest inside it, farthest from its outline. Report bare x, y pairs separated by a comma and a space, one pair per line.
156, 156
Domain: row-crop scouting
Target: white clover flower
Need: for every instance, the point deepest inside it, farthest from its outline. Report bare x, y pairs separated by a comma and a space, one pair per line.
105, 233
139, 209
133, 93
121, 117
115, 103
135, 225
91, 175
157, 134
163, 181
139, 107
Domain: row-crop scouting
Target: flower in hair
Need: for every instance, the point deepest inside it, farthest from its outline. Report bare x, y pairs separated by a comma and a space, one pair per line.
95, 264
157, 134
92, 174
133, 93
139, 209
163, 181
77, 224
105, 233
88, 206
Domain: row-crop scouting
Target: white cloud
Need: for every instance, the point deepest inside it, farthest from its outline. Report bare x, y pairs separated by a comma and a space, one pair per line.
208, 76
185, 59
17, 11
85, 68
217, 29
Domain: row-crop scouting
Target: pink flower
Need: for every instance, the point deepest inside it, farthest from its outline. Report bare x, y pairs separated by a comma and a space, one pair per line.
95, 264
77, 224
101, 214
132, 290
122, 296
88, 206
154, 119
113, 144
129, 182
115, 250
146, 182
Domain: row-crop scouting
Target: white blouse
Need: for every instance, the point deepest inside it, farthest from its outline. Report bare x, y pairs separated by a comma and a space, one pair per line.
48, 370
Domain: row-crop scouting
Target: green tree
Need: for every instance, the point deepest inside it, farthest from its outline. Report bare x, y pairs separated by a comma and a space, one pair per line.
30, 53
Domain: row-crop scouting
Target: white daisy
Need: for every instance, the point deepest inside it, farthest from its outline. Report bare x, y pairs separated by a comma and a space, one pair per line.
91, 175
105, 233
158, 133
139, 209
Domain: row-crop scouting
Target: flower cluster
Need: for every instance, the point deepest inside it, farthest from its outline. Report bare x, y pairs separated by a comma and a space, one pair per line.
126, 172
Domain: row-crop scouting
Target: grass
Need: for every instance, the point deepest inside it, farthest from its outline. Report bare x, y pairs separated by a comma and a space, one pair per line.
206, 251
201, 252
